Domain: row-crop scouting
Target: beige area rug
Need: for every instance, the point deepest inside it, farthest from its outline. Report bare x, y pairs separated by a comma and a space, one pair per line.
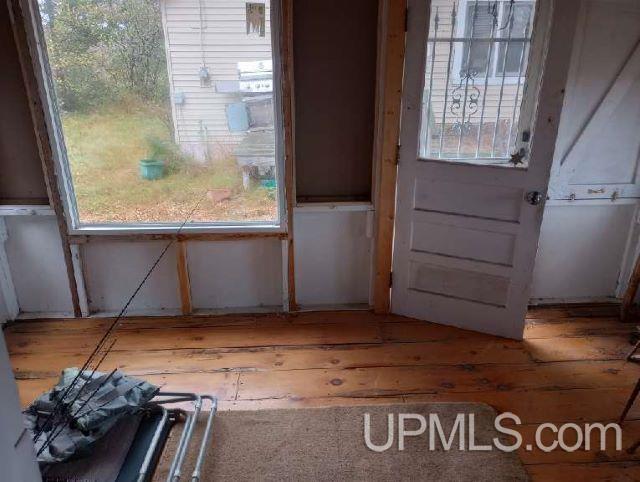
327, 444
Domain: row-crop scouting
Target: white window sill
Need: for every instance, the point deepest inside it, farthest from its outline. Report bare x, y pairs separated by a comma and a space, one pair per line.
191, 228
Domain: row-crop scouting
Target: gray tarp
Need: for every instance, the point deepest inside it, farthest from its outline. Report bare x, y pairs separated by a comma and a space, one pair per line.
73, 431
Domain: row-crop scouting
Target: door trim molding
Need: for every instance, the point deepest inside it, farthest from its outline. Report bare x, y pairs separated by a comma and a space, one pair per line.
393, 14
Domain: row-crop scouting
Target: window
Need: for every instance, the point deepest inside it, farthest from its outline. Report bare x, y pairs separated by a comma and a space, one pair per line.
508, 21
163, 107
477, 57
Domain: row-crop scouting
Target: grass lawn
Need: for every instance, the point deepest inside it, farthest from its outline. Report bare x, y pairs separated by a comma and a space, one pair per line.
104, 149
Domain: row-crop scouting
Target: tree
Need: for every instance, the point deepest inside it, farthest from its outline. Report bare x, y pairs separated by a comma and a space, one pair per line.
105, 51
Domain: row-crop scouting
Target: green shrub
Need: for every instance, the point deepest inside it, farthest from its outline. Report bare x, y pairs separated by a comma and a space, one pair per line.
169, 152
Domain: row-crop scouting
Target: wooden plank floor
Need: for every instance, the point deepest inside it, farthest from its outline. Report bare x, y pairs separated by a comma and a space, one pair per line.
569, 368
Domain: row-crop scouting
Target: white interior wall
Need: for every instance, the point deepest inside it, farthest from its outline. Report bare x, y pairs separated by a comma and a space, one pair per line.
332, 255
37, 265
4, 313
589, 233
17, 455
333, 266
581, 251
113, 270
236, 274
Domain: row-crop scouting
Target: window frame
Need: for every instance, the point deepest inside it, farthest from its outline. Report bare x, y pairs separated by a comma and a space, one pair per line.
64, 183
495, 78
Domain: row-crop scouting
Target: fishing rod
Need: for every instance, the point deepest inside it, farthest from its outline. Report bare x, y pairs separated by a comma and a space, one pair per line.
61, 401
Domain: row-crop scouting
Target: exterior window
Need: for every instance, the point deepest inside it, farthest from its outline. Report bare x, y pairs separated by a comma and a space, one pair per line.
478, 25
163, 106
522, 15
477, 56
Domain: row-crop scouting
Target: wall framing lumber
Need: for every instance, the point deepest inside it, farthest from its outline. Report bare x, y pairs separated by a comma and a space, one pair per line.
98, 238
26, 210
76, 255
286, 55
184, 283
389, 95
27, 63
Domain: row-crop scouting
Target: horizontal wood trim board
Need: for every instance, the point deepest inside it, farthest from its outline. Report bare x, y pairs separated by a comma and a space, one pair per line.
93, 238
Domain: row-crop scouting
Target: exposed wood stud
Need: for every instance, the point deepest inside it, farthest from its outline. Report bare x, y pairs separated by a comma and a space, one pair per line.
390, 70
286, 51
184, 283
27, 64
78, 270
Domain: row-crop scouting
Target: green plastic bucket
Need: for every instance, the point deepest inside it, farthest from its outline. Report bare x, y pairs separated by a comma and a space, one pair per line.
151, 169
268, 183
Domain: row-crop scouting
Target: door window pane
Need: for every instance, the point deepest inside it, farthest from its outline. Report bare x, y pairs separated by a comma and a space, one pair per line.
477, 54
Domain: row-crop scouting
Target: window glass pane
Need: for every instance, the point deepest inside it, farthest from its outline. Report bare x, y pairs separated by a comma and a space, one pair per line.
470, 110
519, 28
165, 104
478, 25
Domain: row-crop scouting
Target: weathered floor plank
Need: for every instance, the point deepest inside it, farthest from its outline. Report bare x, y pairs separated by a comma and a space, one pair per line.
569, 368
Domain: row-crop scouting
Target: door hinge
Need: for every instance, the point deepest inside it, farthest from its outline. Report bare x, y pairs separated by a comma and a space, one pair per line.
406, 19
398, 154
390, 279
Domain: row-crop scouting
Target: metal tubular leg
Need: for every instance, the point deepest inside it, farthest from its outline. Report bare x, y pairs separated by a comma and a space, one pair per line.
195, 477
189, 429
187, 432
181, 443
152, 447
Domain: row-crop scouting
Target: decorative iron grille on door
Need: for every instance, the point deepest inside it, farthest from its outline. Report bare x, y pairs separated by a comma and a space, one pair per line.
476, 65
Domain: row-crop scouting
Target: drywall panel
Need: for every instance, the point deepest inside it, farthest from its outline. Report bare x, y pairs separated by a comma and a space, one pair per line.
4, 313
22, 180
235, 274
113, 271
581, 250
17, 455
334, 48
583, 241
333, 257
37, 264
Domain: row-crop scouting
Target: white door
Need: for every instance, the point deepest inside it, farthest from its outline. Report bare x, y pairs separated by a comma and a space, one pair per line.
483, 91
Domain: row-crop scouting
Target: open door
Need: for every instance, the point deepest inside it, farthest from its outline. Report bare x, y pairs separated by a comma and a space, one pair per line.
482, 98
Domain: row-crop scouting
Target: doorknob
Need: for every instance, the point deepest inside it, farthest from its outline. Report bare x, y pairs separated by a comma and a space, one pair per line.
534, 197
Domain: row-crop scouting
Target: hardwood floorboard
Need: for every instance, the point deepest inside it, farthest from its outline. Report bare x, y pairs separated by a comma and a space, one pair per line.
570, 368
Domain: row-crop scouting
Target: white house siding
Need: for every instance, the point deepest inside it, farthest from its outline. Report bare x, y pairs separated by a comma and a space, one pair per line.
202, 118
